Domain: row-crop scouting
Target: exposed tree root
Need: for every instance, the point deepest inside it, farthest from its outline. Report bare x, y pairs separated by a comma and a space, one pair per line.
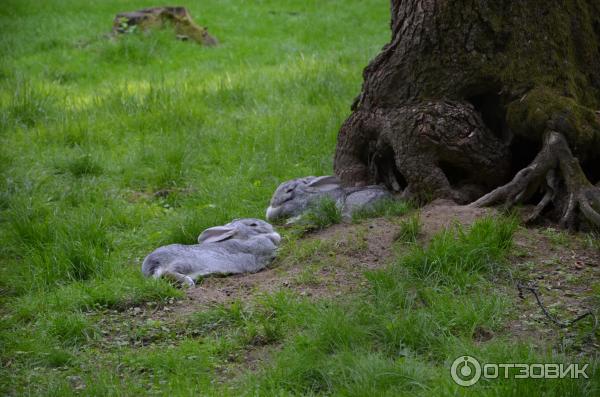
554, 161
548, 197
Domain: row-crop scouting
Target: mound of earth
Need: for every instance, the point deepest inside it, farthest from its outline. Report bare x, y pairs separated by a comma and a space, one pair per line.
563, 268
332, 261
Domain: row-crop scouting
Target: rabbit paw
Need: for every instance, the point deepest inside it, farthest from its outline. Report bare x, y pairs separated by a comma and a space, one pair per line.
188, 282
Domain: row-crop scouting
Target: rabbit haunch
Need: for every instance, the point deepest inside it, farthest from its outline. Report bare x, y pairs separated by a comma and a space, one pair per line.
295, 197
241, 246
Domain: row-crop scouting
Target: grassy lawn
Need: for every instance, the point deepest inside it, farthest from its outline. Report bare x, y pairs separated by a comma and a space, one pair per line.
111, 148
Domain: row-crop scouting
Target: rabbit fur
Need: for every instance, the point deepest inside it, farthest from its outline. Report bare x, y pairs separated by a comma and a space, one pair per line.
292, 198
241, 246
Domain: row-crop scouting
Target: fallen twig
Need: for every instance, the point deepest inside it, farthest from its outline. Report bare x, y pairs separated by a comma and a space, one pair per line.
561, 324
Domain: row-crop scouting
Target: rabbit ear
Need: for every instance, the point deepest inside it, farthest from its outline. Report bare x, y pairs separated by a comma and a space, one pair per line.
215, 234
325, 183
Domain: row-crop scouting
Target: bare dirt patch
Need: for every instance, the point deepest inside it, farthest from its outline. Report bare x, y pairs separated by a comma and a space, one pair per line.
327, 263
331, 262
442, 214
564, 268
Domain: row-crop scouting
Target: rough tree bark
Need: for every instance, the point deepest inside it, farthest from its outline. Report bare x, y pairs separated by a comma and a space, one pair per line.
484, 102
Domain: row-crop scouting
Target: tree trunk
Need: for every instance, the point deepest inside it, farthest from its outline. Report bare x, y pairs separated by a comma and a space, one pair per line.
483, 101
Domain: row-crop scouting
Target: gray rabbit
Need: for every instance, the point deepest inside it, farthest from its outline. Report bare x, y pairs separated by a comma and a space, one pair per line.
292, 198
241, 246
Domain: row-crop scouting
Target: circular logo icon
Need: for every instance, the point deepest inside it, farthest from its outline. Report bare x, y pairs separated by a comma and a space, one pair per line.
465, 371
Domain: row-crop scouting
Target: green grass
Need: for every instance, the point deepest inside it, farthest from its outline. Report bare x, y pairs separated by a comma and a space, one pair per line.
454, 256
111, 148
409, 229
558, 238
593, 240
383, 208
322, 214
92, 128
325, 213
399, 336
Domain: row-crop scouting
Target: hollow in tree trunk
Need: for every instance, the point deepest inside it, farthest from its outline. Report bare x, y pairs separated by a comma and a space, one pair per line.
483, 102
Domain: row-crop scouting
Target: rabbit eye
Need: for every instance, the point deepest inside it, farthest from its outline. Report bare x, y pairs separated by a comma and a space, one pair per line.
254, 224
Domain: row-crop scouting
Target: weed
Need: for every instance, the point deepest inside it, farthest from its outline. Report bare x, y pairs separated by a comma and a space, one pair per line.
593, 240
71, 328
83, 165
383, 208
557, 237
308, 276
409, 229
29, 104
456, 254
322, 214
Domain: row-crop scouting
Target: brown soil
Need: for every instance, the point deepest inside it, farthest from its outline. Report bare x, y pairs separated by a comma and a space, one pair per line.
348, 250
564, 268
